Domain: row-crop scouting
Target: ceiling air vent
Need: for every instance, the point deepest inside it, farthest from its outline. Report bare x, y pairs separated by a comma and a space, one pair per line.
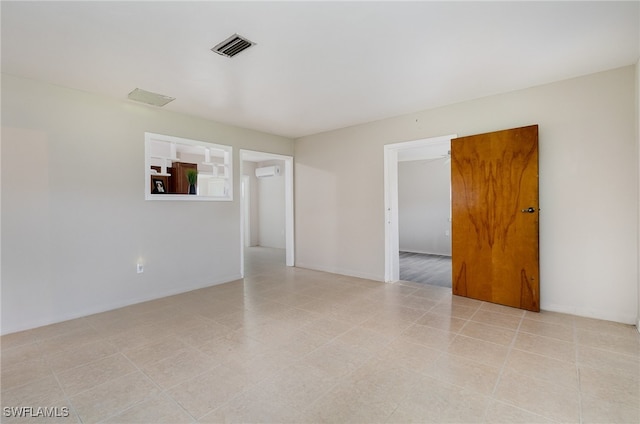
149, 98
232, 46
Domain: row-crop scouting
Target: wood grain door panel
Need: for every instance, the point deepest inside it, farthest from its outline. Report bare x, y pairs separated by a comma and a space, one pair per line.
494, 181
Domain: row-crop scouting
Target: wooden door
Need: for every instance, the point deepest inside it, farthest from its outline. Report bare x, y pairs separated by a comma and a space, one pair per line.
494, 208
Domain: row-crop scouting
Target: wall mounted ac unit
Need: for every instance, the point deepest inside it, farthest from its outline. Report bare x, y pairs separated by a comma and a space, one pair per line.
268, 171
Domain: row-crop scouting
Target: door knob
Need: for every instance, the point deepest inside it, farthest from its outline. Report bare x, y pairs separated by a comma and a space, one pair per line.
529, 210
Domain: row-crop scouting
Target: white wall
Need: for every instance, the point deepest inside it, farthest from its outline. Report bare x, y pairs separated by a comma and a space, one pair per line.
424, 206
74, 218
588, 188
271, 208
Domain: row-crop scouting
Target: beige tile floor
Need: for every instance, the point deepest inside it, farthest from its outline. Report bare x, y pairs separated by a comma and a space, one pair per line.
299, 346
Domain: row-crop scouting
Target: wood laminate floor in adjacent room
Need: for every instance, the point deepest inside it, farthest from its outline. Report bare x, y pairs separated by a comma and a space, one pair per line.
423, 268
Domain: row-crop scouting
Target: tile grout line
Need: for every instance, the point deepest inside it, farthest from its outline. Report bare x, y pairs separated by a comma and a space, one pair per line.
146, 398
67, 398
591, 344
266, 378
503, 367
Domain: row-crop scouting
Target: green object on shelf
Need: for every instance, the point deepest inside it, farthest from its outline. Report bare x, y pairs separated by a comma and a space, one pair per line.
192, 176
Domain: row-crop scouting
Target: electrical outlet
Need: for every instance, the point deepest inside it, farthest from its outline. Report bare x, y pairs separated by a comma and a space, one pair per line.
140, 268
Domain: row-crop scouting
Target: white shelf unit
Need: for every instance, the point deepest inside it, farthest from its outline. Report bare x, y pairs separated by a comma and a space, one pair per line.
214, 163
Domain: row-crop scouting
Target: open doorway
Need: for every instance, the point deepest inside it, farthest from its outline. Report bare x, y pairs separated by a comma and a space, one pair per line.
424, 218
266, 205
411, 160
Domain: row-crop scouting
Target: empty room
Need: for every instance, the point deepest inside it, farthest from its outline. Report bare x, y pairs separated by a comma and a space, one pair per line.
205, 207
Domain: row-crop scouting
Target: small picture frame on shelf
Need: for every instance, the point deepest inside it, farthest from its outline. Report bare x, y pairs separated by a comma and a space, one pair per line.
158, 187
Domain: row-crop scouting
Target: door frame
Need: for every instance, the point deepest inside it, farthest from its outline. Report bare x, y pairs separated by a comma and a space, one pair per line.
392, 152
245, 204
288, 204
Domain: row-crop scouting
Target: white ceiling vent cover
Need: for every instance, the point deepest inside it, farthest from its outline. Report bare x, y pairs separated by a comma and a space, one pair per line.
149, 98
232, 46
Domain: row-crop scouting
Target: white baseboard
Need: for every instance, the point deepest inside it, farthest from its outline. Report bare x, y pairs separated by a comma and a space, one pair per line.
340, 271
425, 253
114, 305
615, 316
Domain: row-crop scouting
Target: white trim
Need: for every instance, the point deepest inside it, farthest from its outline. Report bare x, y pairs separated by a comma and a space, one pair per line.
603, 315
245, 192
392, 243
288, 207
96, 309
340, 271
391, 238
424, 252
288, 212
637, 93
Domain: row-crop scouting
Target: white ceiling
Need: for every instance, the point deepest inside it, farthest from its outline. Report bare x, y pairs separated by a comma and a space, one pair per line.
317, 66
